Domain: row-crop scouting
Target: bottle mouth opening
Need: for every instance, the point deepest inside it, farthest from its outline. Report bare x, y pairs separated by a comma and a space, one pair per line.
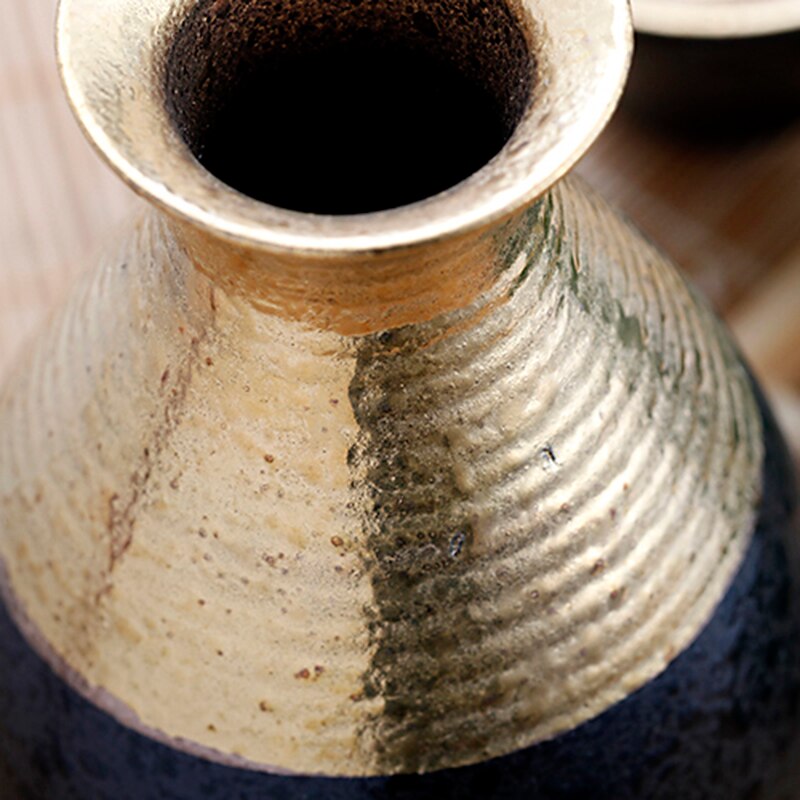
352, 108
313, 127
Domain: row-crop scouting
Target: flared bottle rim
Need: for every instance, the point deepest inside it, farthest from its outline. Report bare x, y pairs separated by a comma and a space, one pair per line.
112, 57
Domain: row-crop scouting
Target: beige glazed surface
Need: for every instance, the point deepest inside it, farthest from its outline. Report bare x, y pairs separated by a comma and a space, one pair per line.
371, 494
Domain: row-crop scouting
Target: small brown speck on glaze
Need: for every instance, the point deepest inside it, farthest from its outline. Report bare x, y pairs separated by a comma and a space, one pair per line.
618, 595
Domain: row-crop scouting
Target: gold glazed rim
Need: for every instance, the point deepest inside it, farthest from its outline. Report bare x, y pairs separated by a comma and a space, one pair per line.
106, 55
716, 19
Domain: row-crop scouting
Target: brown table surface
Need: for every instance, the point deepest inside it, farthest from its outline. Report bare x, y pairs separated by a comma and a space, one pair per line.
729, 215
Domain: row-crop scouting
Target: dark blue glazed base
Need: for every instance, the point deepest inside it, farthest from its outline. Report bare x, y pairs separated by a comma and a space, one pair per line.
711, 726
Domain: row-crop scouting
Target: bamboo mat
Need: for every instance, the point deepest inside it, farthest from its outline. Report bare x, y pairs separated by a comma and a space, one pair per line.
730, 215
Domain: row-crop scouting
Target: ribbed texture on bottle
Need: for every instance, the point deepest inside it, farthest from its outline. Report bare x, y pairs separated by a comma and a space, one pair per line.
286, 547
558, 503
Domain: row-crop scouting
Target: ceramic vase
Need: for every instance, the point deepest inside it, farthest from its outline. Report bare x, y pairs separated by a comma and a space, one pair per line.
469, 497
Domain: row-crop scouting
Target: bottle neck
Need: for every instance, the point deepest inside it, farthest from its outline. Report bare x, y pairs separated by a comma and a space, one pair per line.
362, 293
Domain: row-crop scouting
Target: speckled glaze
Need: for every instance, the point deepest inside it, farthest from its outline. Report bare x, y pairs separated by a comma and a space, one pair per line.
472, 495
719, 722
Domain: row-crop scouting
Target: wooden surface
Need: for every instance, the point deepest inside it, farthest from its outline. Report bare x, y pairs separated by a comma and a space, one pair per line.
729, 214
